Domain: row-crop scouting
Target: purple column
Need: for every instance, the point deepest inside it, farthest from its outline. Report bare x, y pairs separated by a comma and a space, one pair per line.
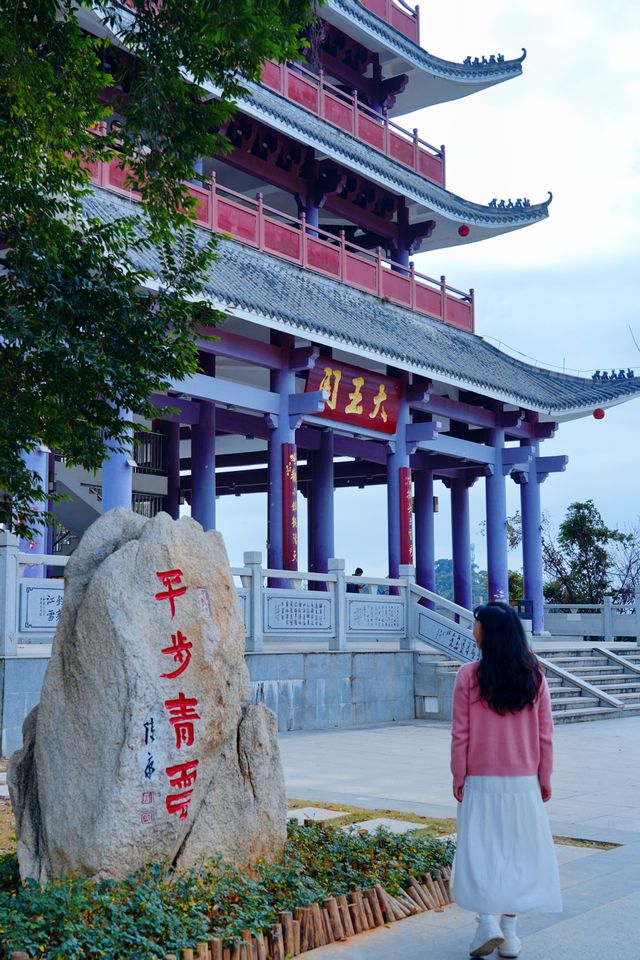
395, 460
496, 501
171, 466
38, 462
283, 382
310, 209
400, 254
532, 544
461, 542
203, 467
117, 476
425, 529
320, 505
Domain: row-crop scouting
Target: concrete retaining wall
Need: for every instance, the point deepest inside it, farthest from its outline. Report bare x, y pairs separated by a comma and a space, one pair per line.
315, 691
20, 686
307, 691
433, 689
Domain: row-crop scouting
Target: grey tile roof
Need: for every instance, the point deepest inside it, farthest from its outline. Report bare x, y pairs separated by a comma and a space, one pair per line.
490, 72
265, 104
274, 292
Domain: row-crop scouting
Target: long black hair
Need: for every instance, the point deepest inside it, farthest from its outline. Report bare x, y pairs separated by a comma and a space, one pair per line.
509, 675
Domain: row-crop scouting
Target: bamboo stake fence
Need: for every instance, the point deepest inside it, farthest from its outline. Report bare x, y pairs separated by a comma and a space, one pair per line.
338, 918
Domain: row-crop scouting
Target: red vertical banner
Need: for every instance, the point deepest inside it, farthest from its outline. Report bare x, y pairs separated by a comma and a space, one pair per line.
406, 516
289, 506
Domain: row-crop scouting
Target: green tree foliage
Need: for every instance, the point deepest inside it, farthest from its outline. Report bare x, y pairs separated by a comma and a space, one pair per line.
444, 581
580, 561
83, 335
516, 586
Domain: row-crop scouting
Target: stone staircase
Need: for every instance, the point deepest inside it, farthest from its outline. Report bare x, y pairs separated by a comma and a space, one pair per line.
585, 683
588, 680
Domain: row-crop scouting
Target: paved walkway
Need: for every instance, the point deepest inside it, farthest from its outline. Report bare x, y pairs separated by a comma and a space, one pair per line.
596, 797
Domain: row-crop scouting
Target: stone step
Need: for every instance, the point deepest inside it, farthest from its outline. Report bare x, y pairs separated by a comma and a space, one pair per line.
591, 713
585, 663
564, 693
573, 703
625, 683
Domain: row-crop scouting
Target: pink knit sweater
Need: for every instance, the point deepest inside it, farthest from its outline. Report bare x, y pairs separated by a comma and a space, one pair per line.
483, 743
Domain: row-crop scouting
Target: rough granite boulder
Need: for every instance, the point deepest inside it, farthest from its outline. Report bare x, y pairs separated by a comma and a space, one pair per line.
145, 747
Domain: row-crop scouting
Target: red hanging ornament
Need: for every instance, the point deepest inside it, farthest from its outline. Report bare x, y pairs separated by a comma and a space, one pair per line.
598, 413
463, 230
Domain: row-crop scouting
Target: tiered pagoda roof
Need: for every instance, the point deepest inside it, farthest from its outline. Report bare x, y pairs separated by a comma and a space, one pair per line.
424, 197
253, 285
434, 80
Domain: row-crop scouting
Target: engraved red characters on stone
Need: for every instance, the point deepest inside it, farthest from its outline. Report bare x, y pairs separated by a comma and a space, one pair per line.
182, 777
180, 650
181, 717
171, 580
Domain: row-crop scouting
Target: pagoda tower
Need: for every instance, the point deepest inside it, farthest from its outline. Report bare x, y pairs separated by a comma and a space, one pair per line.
339, 363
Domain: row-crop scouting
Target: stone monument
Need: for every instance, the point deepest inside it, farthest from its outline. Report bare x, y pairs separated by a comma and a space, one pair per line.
145, 747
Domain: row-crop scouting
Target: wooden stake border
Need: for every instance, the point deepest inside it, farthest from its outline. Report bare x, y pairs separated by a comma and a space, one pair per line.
338, 918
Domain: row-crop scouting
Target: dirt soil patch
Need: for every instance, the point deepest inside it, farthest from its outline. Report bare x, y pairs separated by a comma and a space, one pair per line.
7, 828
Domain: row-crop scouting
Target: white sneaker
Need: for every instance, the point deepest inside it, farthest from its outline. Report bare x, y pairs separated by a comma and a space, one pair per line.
488, 937
511, 946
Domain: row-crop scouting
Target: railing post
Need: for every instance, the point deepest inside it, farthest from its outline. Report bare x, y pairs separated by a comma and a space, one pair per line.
472, 298
339, 640
285, 79
444, 163
321, 93
607, 619
213, 206
416, 150
343, 265
253, 640
443, 298
303, 239
9, 577
408, 573
412, 284
260, 200
379, 271
354, 115
637, 612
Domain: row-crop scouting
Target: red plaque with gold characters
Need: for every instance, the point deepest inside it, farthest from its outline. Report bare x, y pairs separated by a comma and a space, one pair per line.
290, 506
356, 396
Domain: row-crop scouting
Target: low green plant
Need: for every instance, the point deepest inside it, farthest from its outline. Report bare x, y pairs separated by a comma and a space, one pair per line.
156, 911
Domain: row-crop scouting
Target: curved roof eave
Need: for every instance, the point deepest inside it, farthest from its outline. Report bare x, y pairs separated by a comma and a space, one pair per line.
273, 109
259, 287
453, 80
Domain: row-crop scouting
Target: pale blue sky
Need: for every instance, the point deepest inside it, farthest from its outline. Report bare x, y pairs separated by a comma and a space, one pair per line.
565, 291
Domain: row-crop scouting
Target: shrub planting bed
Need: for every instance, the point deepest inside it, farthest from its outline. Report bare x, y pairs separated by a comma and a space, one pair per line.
330, 884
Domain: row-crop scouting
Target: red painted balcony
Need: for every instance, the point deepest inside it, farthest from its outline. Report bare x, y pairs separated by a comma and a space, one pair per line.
400, 15
347, 112
265, 228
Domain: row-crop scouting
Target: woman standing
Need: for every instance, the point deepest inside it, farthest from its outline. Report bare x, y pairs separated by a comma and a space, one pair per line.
501, 761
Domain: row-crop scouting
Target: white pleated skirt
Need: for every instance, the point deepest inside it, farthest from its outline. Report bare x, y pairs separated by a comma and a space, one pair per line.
505, 861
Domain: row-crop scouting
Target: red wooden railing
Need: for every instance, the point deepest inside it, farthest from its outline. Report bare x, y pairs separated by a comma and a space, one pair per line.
254, 223
400, 15
346, 111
